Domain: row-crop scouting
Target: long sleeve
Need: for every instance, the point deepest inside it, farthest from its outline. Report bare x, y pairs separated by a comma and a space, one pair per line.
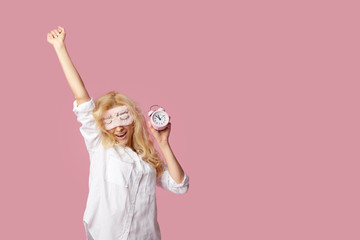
88, 129
168, 183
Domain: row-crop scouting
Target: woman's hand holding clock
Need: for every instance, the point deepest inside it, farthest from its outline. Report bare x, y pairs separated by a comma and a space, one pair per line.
161, 137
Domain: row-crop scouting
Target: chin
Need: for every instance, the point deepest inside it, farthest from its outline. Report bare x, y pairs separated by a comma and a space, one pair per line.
123, 142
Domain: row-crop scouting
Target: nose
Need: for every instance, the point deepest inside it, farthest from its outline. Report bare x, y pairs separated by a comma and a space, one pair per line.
119, 128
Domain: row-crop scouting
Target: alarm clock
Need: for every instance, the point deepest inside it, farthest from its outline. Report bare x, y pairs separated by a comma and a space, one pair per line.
159, 119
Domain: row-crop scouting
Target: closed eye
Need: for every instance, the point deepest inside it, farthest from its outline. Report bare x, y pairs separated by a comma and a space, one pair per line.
124, 116
107, 121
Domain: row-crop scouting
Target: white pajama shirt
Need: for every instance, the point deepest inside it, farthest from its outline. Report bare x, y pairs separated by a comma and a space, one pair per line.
121, 203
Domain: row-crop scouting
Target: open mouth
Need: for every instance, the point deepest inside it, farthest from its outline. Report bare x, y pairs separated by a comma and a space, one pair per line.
121, 136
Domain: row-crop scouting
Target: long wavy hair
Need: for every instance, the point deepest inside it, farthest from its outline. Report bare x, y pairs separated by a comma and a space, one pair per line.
140, 141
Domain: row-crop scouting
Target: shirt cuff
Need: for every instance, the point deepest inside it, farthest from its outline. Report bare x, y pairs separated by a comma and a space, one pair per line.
184, 182
84, 107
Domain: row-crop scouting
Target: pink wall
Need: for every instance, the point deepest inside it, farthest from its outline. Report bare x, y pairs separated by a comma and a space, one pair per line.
264, 99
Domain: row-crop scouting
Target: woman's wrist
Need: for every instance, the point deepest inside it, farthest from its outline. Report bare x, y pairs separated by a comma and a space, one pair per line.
163, 144
59, 46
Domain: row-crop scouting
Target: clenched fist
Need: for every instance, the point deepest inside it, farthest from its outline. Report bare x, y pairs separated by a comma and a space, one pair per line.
56, 37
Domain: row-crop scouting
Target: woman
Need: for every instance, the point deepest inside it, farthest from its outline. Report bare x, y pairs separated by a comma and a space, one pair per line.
124, 165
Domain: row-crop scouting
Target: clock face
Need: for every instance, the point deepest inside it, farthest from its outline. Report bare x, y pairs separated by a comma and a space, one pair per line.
160, 118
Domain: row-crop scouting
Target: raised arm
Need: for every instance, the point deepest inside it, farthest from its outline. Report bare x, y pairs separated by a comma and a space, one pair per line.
57, 39
162, 139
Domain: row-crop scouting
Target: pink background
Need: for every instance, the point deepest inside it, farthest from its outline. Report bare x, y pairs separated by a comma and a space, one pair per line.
264, 99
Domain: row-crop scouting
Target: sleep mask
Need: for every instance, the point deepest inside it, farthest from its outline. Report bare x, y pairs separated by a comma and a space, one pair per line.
117, 116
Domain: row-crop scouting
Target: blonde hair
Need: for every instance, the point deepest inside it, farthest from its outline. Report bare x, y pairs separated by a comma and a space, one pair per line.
140, 141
